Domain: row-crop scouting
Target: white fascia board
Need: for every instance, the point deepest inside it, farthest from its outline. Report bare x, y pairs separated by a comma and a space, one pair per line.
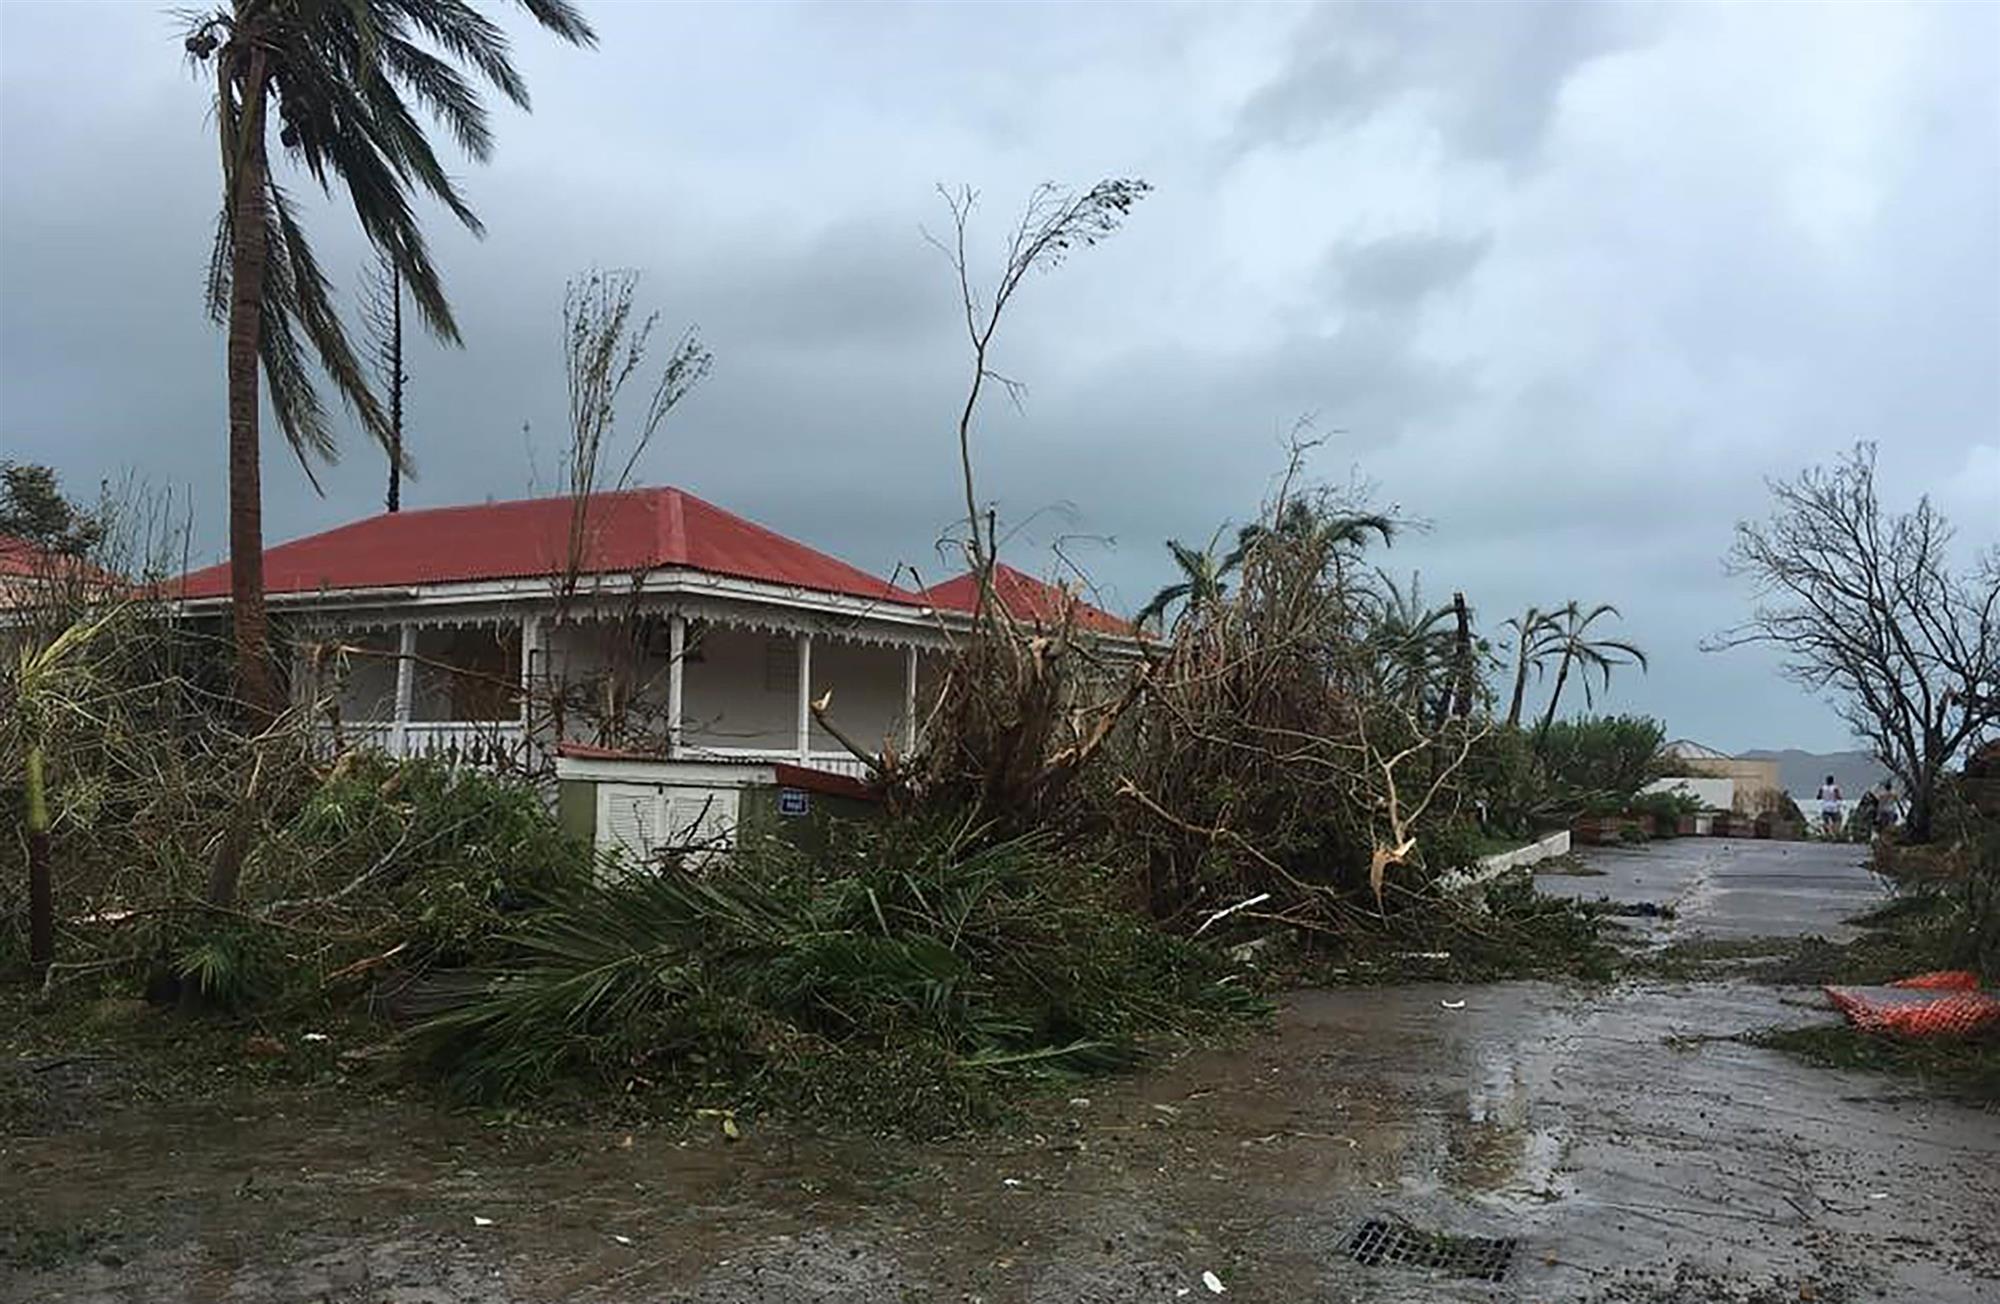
699, 774
606, 592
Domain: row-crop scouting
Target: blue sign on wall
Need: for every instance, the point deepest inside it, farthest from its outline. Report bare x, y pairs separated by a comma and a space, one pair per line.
794, 801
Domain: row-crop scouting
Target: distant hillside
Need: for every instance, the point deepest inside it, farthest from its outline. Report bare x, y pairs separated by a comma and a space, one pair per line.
1803, 772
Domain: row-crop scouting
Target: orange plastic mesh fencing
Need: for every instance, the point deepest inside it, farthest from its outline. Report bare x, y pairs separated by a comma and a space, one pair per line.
1955, 980
1917, 1012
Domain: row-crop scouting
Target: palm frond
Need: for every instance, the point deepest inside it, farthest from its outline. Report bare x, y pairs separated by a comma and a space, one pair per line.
311, 306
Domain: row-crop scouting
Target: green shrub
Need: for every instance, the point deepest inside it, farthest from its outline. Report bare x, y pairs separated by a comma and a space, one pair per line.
449, 852
1614, 755
1666, 808
1456, 845
1981, 895
395, 867
1504, 774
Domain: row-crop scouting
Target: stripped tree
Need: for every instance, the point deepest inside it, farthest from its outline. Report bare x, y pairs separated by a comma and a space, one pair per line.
1867, 606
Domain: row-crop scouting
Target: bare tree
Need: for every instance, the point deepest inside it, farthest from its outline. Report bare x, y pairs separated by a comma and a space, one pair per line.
605, 346
382, 316
1055, 221
1867, 607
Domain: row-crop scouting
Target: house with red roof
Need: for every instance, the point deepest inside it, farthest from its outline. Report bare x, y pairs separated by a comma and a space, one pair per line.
28, 571
646, 620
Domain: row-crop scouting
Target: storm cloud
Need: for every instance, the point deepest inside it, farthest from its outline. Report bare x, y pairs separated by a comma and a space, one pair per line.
1567, 281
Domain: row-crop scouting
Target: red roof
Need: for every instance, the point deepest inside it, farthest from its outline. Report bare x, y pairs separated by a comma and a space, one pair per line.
1026, 599
19, 557
785, 775
623, 533
22, 559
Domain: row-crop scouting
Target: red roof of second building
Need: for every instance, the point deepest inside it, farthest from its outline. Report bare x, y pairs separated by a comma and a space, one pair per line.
22, 559
629, 531
1026, 598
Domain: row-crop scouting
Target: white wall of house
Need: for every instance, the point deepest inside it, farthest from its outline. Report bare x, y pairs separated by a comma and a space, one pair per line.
739, 688
867, 686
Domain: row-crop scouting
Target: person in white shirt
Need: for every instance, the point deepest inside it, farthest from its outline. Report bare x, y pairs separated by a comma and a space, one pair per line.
1829, 807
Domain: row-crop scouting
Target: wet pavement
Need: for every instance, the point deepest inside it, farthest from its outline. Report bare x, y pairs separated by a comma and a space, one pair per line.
1727, 888
1629, 1148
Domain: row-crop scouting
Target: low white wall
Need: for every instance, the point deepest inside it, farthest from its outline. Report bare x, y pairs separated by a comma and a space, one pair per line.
1493, 866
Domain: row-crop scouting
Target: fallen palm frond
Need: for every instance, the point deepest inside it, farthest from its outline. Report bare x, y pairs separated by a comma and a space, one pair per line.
979, 957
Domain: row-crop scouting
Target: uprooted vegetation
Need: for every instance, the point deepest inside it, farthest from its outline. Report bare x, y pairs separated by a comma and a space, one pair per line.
900, 979
1099, 850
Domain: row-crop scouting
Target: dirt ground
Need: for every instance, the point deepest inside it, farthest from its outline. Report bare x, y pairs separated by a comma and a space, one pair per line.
1629, 1147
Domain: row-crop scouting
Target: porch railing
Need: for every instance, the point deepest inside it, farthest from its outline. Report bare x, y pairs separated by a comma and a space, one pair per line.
834, 762
478, 742
482, 742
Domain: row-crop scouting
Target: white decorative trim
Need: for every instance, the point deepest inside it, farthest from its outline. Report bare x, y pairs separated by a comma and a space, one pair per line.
714, 774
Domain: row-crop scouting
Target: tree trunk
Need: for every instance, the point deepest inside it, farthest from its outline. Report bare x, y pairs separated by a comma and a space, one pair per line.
255, 681
396, 389
1521, 671
1461, 704
1555, 695
256, 684
41, 890
1923, 803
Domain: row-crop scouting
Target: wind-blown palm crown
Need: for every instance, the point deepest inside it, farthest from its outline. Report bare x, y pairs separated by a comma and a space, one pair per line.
1202, 579
346, 75
1571, 624
1204, 572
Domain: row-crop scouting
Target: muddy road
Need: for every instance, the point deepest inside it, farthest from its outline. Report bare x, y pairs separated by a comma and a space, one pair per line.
1616, 1136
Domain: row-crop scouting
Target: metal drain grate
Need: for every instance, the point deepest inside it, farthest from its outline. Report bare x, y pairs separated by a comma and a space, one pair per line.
1382, 1240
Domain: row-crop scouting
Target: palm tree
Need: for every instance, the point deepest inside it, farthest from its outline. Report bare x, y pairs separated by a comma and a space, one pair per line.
1417, 646
1203, 572
1330, 531
1572, 625
1537, 637
1201, 581
345, 75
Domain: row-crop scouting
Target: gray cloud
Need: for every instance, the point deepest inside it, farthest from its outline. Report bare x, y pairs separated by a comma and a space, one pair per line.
1400, 272
1566, 280
1487, 75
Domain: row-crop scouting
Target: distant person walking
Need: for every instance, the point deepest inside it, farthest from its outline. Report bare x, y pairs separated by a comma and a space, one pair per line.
1829, 807
1886, 810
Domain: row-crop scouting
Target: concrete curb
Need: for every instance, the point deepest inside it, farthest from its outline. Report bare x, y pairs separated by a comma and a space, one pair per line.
1492, 867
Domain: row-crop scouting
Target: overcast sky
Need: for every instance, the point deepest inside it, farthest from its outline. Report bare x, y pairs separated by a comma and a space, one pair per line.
1565, 280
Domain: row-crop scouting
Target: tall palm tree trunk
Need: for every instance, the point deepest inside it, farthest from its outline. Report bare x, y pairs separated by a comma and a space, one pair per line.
254, 679
256, 685
1520, 686
1462, 665
1555, 694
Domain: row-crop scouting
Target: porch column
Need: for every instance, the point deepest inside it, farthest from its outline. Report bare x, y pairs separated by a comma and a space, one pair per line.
531, 643
805, 698
676, 654
406, 677
909, 699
